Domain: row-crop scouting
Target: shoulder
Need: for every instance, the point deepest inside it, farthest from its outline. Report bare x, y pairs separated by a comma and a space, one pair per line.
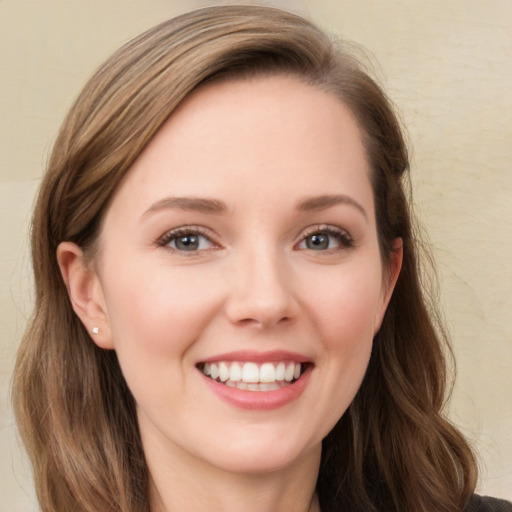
486, 504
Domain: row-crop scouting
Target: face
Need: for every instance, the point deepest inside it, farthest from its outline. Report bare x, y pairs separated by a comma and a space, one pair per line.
241, 278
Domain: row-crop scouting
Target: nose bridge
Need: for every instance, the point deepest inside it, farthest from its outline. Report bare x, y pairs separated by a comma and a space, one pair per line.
261, 292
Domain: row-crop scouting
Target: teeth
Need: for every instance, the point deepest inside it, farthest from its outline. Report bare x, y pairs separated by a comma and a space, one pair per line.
260, 386
280, 369
251, 376
288, 373
235, 372
250, 373
223, 372
267, 373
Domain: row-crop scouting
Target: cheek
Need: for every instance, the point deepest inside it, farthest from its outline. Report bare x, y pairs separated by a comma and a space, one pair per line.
347, 331
156, 314
155, 323
347, 307
344, 320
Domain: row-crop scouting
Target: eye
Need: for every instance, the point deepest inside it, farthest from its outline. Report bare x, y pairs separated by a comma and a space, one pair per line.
325, 238
186, 240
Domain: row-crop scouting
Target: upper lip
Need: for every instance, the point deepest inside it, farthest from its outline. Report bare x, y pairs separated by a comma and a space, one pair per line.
259, 357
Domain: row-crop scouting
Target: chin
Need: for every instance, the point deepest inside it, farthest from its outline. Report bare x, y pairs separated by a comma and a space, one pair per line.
266, 454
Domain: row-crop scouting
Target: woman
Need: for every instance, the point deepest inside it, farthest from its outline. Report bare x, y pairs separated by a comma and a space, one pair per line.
228, 307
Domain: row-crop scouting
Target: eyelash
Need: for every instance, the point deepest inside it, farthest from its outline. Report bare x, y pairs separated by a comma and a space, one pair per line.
342, 237
344, 240
182, 232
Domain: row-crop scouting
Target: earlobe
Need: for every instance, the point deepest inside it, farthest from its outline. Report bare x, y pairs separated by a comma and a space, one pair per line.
390, 278
85, 293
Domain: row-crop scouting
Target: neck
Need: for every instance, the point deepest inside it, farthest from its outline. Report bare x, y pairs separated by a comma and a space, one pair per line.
175, 488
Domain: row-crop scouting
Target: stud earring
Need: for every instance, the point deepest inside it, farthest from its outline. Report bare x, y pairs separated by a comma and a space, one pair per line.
95, 330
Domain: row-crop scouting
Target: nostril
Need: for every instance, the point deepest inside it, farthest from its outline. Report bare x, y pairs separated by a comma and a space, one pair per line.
263, 321
260, 306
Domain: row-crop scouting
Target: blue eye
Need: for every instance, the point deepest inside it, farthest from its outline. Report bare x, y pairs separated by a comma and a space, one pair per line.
325, 239
186, 243
186, 240
318, 242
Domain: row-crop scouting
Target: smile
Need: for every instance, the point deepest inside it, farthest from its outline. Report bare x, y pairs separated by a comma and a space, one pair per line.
251, 376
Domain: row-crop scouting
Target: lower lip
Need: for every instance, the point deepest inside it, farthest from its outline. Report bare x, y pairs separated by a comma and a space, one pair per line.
262, 400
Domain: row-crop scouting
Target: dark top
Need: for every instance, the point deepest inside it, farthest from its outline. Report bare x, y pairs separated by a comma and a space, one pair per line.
486, 504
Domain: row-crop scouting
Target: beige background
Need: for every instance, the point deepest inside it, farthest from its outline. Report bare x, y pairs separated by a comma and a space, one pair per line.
447, 66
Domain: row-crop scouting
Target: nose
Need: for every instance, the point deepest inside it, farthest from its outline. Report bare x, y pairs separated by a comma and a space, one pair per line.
261, 292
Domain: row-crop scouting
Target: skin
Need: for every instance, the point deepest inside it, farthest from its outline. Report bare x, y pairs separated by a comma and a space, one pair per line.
256, 282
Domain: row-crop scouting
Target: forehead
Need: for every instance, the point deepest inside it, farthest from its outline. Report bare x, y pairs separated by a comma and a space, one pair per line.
260, 107
261, 134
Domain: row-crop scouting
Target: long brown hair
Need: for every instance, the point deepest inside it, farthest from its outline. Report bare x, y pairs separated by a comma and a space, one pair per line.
392, 449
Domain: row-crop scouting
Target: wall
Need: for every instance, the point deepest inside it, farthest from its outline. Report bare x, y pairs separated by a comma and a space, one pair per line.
446, 65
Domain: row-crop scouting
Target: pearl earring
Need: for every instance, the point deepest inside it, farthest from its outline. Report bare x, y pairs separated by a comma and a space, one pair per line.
95, 330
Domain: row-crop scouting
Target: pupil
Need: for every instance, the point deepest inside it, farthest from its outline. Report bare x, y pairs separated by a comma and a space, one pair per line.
187, 242
318, 242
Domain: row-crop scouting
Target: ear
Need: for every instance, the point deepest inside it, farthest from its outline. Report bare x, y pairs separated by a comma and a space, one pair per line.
390, 278
85, 292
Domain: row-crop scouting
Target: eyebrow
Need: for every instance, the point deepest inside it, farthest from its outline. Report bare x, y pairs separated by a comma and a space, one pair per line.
319, 203
197, 204
218, 207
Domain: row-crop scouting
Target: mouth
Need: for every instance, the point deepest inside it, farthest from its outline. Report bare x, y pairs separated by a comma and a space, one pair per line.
252, 376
